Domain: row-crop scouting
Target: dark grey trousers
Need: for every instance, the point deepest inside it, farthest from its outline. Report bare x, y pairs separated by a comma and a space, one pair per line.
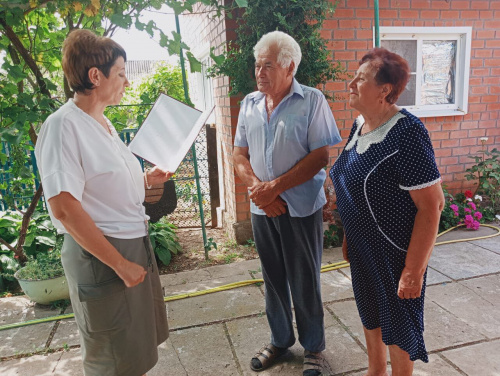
290, 251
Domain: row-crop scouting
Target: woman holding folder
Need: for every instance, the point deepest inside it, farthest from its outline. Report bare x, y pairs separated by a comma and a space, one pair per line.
95, 188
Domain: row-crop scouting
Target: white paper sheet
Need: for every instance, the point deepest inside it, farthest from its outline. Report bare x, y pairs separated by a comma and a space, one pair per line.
168, 132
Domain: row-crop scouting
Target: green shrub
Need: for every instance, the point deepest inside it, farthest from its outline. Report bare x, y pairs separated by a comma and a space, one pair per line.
164, 240
45, 266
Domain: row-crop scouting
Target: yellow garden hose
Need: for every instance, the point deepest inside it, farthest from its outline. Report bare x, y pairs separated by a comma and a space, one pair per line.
324, 268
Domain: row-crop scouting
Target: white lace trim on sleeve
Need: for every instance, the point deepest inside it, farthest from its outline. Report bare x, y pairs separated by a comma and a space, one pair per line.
425, 185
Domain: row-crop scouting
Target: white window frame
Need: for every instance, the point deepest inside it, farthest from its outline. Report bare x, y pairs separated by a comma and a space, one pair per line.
463, 36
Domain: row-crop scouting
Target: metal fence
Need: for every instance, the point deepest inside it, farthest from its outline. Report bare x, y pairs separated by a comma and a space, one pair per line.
187, 213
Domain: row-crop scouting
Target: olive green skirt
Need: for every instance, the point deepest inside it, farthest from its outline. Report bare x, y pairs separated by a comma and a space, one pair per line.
120, 328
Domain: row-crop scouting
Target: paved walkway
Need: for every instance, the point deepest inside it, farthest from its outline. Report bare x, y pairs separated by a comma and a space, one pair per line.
216, 334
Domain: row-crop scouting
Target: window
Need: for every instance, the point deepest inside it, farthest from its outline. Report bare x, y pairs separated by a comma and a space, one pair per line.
439, 59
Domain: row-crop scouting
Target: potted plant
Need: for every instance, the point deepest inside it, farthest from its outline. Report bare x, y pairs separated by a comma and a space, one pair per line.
42, 278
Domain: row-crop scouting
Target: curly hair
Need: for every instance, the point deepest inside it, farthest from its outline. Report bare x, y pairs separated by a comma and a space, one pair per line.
83, 50
390, 69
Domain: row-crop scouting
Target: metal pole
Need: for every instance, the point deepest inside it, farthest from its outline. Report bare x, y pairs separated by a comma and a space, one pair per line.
377, 25
193, 148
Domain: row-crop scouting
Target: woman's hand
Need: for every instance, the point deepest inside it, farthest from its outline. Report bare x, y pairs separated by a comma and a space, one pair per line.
410, 284
156, 176
131, 273
344, 249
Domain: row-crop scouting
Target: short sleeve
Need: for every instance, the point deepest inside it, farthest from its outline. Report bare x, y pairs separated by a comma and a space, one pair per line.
240, 138
416, 165
58, 158
323, 129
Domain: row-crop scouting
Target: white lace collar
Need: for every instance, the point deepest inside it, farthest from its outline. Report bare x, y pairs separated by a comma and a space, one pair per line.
373, 137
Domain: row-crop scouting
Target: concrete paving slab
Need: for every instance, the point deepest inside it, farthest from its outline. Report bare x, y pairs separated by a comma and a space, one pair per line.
332, 255
434, 277
477, 360
435, 367
70, 364
464, 260
468, 307
223, 305
66, 334
242, 269
335, 286
464, 233
37, 365
25, 339
183, 278
204, 351
443, 329
487, 287
492, 244
168, 361
347, 313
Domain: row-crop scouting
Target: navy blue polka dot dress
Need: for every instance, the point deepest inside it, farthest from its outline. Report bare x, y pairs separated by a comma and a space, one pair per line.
372, 179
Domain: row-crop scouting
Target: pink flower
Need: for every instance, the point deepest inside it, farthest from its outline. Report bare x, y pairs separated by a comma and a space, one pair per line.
467, 210
478, 215
475, 225
469, 221
472, 205
454, 208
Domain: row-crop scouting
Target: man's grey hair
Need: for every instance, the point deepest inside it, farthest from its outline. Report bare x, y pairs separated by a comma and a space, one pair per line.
289, 49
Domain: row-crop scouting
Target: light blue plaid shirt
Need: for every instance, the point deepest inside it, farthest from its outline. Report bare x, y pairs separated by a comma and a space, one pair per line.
302, 122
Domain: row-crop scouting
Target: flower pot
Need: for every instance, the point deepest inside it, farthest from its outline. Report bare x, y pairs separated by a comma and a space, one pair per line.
45, 291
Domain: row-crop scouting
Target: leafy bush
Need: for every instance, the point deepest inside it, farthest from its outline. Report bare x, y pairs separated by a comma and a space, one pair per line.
302, 19
164, 241
45, 266
461, 209
487, 173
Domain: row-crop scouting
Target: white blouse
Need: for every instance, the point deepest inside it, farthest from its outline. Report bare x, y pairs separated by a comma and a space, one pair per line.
76, 155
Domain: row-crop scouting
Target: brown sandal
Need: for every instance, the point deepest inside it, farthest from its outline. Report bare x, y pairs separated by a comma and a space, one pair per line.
266, 357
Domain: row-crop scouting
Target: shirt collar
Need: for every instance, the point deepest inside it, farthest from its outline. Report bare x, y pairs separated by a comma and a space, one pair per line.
257, 96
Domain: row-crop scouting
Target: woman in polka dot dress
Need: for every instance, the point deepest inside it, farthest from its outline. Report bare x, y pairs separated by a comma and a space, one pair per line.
389, 197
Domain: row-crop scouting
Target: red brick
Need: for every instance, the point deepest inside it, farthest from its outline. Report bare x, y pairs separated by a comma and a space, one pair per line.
491, 62
489, 98
345, 55
429, 14
454, 168
335, 86
449, 161
326, 34
492, 24
469, 125
364, 13
349, 24
456, 4
388, 13
336, 45
485, 34
493, 132
343, 34
477, 132
344, 13
495, 72
495, 89
479, 90
413, 14
330, 24
480, 4
364, 34
357, 45
357, 4
449, 143
458, 134
450, 14
440, 135
477, 107
460, 151
483, 53
480, 72
471, 14
440, 4
468, 142
421, 4
442, 152
485, 14
367, 24
488, 124
402, 4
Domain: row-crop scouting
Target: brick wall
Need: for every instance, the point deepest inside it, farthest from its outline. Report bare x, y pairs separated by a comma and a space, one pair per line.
198, 29
350, 35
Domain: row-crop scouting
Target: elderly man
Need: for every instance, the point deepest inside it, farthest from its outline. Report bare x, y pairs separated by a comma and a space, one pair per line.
280, 149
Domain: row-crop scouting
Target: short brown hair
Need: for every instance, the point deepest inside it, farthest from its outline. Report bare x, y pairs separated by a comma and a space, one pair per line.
391, 69
83, 50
